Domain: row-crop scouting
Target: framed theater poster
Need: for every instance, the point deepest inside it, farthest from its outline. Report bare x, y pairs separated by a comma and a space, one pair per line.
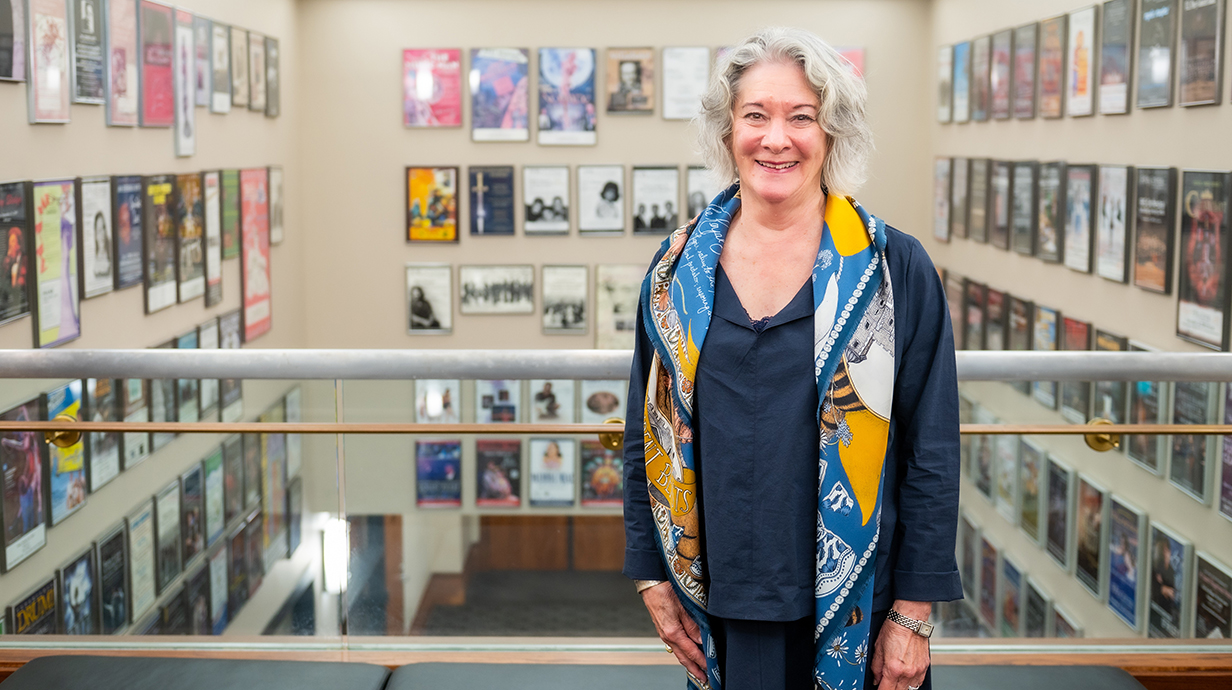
127, 239
276, 205
1212, 599
141, 560
164, 406
1171, 558
1050, 213
201, 63
429, 295
184, 67
656, 198
958, 199
977, 200
156, 33
188, 391
565, 299
1201, 52
123, 63
500, 94
1023, 204
1115, 50
941, 199
989, 565
102, 404
1064, 625
686, 70
973, 315
981, 56
273, 78
215, 497
945, 84
13, 40
65, 486
54, 263
1202, 285
1092, 532
1006, 496
437, 401
113, 596
1080, 85
602, 400
1025, 38
1224, 486
86, 51
1052, 66
1079, 218
553, 471
1110, 397
994, 320
1009, 603
497, 289
231, 391
230, 201
211, 191
497, 401
168, 534
1192, 457
432, 87
1031, 483
962, 82
134, 405
1036, 609
35, 612
158, 222
233, 478
432, 204
498, 479
49, 90
1060, 494
438, 474
1154, 228
190, 237
94, 216
1126, 577
1046, 326
551, 401
23, 463
983, 466
601, 198
491, 199
1112, 223
602, 476
631, 80
1019, 333
239, 67
617, 287
77, 584
1156, 48
256, 72
545, 196
968, 538
954, 296
1075, 395
999, 205
567, 96
701, 187
1000, 74
255, 252
15, 231
220, 68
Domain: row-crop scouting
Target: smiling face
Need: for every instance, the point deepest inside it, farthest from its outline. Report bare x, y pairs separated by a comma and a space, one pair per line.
776, 140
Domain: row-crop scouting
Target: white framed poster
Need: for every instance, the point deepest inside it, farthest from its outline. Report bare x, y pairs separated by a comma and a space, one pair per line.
686, 71
97, 269
656, 199
551, 401
202, 70
48, 91
429, 295
602, 400
617, 289
437, 401
220, 67
545, 193
211, 183
497, 289
601, 198
256, 71
184, 66
1083, 46
1112, 223
497, 401
565, 299
945, 83
141, 587
553, 472
701, 187
567, 105
207, 339
277, 204
239, 67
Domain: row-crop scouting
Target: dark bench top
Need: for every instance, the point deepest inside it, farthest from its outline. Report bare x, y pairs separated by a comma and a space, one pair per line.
167, 673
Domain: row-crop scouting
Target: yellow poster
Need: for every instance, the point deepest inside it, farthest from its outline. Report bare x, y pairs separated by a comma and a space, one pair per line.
432, 204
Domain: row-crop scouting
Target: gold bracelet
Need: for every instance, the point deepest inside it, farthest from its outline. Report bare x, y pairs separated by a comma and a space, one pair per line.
643, 585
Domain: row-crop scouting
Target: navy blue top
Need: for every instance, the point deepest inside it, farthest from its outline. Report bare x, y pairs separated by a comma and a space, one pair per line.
756, 438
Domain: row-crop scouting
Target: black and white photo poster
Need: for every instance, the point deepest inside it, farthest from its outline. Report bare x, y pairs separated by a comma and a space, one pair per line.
429, 289
545, 192
701, 187
564, 299
656, 198
601, 198
617, 287
685, 73
497, 289
98, 274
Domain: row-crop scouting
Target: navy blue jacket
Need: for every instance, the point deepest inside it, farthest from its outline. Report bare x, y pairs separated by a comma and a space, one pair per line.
759, 508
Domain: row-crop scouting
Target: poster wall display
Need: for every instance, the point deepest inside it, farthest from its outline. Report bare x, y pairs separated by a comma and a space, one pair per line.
438, 474
102, 405
1115, 66
255, 252
565, 298
1091, 535
233, 478
187, 391
1154, 223
112, 581
1025, 39
1024, 207
86, 21
567, 96
617, 287
220, 68
192, 513
13, 42
1011, 598
603, 478
941, 199
999, 201
491, 199
553, 463
1036, 609
432, 87
230, 214
497, 289
500, 94
1046, 326
239, 67
1063, 625
989, 560
1110, 397
276, 204
215, 497
498, 464
497, 400
1050, 230
429, 294
958, 198
1156, 47
273, 78
973, 315
1060, 512
157, 89
54, 264
1112, 223
1171, 559
1200, 57
184, 70
995, 320
1080, 91
127, 221
1031, 482
551, 401
545, 195
1126, 527
977, 214
34, 613
981, 56
201, 63
256, 72
49, 90
211, 190
14, 267
123, 63
230, 390
701, 187
1079, 218
656, 193
602, 400
22, 470
66, 467
1075, 395
962, 82
77, 583
437, 401
1007, 476
1000, 86
141, 560
945, 83
1212, 599
1192, 457
94, 218
1202, 287
631, 80
158, 222
685, 74
190, 237
968, 539
601, 198
135, 407
432, 204
1020, 332
1052, 54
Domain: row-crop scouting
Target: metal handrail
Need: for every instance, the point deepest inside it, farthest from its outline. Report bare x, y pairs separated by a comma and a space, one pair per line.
302, 364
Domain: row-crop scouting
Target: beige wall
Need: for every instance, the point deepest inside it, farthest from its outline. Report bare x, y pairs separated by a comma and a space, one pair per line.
1180, 137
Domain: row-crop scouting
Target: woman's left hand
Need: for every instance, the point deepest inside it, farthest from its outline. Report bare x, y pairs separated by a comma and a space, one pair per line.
900, 658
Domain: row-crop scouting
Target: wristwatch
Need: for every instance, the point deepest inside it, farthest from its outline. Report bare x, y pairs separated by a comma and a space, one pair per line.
921, 628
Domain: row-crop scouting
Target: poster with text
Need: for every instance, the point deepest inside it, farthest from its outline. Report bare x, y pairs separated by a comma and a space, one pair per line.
553, 468
1116, 45
184, 64
981, 57
656, 198
1000, 73
603, 479
1202, 283
491, 199
256, 72
127, 237
429, 290
101, 404
1052, 56
702, 186
438, 401
13, 41
432, 204
202, 67
1112, 223
49, 90
1213, 595
631, 80
15, 264
1051, 207
962, 82
220, 68
1154, 228
190, 237
54, 262
567, 96
1089, 520
123, 63
1156, 48
545, 197
211, 184
432, 87
1079, 219
1025, 38
1169, 582
22, 467
958, 197
113, 581
35, 613
86, 19
97, 274
499, 466
135, 408
159, 223
601, 198
497, 401
438, 474
565, 299
157, 82
255, 252
686, 71
277, 205
141, 569
1124, 555
945, 83
617, 288
1200, 57
1080, 91
66, 467
500, 94
551, 401
239, 67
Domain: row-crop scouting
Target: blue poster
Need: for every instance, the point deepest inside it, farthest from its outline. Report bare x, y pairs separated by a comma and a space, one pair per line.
962, 82
128, 232
491, 194
567, 96
500, 93
1123, 564
68, 467
438, 474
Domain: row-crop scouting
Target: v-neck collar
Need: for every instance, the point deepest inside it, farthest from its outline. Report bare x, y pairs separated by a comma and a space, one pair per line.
727, 304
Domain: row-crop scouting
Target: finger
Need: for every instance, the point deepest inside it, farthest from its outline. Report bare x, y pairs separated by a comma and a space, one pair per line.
690, 626
680, 641
689, 664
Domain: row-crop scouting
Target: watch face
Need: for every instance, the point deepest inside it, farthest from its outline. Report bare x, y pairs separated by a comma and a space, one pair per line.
926, 629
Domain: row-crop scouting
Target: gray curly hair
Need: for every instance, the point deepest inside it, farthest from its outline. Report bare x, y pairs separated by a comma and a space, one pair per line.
840, 93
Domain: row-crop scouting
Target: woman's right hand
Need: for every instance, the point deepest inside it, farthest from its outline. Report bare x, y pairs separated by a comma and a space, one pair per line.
676, 628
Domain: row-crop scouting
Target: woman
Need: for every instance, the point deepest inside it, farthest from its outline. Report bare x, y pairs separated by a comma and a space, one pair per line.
798, 496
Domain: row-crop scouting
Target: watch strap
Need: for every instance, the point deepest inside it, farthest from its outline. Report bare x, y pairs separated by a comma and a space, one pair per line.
921, 628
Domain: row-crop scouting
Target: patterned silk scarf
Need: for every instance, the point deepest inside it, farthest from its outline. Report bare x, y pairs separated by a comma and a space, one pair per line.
854, 366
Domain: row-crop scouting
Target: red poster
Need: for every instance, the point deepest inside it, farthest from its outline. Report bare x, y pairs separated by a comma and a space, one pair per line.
157, 90
432, 88
255, 251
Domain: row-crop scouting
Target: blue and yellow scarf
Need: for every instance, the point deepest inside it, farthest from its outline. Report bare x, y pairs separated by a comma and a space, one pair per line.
854, 366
